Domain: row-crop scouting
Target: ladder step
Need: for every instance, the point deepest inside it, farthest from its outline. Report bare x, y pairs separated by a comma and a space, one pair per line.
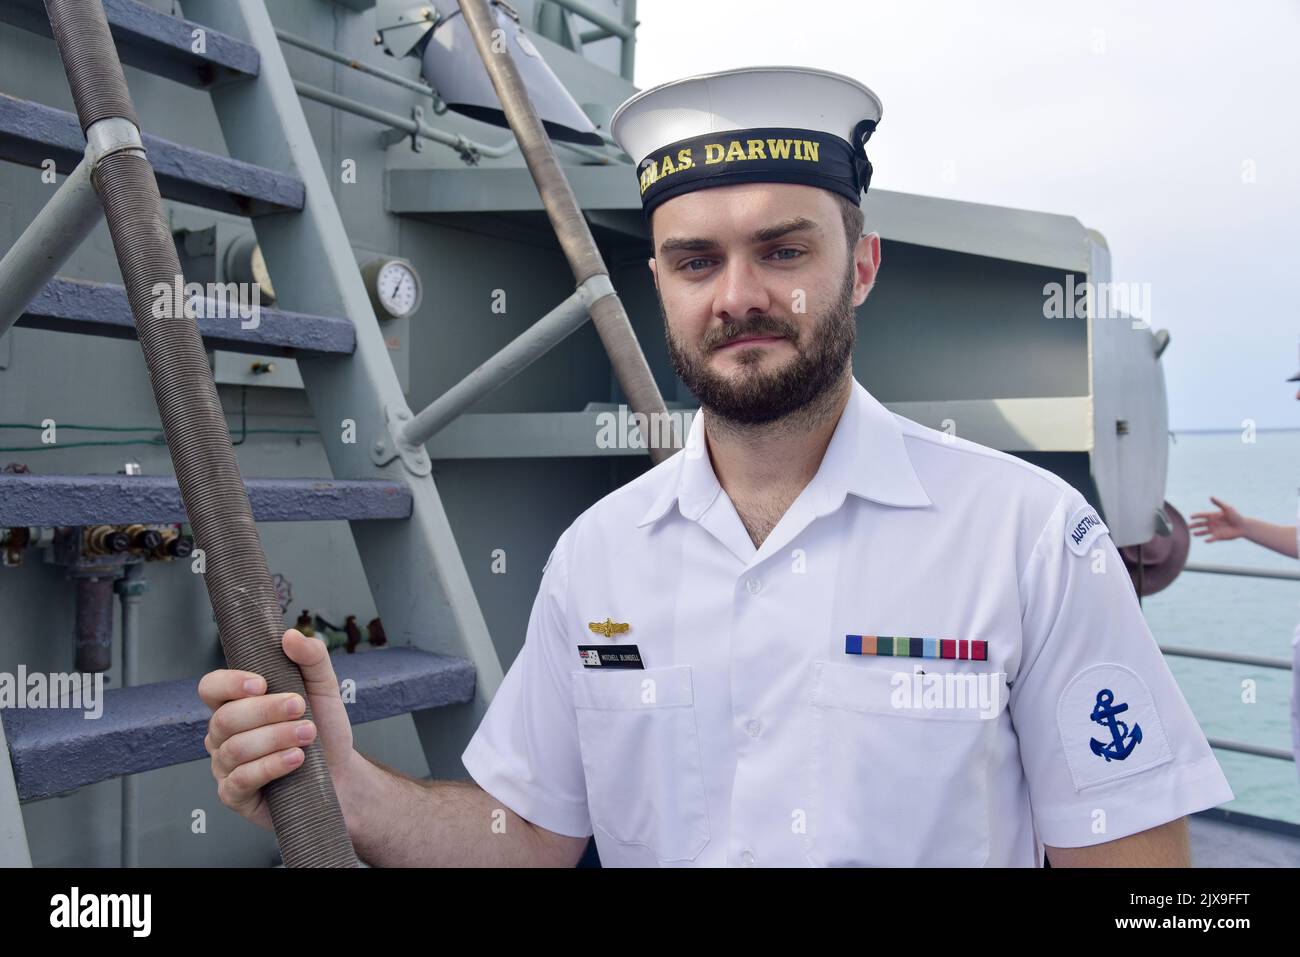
32, 132
102, 309
155, 42
54, 500
56, 750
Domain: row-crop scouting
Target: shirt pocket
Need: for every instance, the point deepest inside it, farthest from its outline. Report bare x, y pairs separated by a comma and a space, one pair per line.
640, 747
895, 786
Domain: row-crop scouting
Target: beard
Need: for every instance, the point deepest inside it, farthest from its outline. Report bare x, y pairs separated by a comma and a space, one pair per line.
752, 396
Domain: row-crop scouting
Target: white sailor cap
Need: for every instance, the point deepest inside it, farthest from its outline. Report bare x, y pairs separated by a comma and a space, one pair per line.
780, 124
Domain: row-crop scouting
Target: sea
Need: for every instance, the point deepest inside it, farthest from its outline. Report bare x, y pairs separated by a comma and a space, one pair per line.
1258, 473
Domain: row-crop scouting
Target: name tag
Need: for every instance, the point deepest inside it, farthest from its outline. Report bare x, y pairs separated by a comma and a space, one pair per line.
610, 656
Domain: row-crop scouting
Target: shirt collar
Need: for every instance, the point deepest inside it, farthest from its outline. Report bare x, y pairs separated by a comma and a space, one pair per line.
866, 456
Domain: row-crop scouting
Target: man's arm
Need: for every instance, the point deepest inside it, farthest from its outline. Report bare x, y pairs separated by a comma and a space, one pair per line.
1228, 523
1163, 846
254, 738
397, 821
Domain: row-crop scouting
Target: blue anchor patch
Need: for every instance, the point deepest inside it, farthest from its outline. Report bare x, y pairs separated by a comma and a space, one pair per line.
1122, 740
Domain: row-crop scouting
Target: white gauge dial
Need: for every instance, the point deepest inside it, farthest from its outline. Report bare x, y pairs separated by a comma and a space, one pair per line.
397, 288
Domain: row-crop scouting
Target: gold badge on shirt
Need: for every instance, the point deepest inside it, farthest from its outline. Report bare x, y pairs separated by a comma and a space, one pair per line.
609, 628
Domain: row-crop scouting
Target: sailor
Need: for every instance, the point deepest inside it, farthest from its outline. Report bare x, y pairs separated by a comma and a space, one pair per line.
819, 634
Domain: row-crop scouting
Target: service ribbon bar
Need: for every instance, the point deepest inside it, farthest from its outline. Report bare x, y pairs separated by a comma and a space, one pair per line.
898, 647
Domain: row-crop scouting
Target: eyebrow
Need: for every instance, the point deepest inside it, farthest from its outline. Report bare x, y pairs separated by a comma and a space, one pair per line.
764, 235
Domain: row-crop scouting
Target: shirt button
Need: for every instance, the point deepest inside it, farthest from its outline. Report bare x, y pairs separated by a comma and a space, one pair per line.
754, 585
753, 726
747, 858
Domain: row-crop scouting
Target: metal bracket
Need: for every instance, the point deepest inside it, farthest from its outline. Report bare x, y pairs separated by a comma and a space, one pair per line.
392, 137
391, 446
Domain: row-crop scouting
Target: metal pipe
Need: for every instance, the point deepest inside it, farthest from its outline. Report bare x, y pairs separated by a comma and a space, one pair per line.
130, 595
627, 61
58, 229
304, 806
523, 351
94, 621
571, 229
596, 17
1259, 661
304, 44
405, 124
1258, 750
1245, 572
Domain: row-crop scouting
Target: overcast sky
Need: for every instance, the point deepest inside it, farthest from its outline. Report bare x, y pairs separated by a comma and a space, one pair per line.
1142, 120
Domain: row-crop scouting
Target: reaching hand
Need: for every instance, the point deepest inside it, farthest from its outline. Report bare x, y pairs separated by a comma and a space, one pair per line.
1221, 526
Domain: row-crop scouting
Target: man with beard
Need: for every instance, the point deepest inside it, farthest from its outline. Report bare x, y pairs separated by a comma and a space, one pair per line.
820, 633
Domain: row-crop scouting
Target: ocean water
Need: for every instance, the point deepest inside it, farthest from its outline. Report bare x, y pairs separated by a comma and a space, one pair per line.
1231, 613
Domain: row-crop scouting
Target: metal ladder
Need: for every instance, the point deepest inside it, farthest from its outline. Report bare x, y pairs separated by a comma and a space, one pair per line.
444, 658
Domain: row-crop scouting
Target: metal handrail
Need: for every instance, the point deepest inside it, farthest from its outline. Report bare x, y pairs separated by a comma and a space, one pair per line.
1260, 661
1243, 571
304, 44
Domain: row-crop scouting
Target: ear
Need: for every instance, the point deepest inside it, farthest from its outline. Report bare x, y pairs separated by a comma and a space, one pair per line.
866, 258
654, 269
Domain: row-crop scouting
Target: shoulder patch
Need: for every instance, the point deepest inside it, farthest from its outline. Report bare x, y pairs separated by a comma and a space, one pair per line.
1109, 726
1083, 528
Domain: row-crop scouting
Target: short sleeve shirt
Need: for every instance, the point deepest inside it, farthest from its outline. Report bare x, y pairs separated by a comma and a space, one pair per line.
935, 658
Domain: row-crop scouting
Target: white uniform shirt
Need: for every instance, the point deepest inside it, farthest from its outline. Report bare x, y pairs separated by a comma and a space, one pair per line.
752, 738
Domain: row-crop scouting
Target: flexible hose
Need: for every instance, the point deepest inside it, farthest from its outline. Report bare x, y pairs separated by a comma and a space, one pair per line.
309, 823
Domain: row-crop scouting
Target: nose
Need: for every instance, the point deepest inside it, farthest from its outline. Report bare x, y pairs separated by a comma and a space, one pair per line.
740, 291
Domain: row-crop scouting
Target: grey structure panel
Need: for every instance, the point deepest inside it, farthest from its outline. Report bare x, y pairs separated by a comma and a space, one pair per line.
56, 750
32, 132
41, 500
102, 309
155, 42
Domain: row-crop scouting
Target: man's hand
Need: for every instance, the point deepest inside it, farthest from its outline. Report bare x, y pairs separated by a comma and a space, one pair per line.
255, 738
1221, 526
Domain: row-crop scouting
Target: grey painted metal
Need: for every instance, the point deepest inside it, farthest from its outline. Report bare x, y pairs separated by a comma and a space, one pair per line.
631, 370
602, 20
151, 40
130, 595
37, 500
1262, 661
540, 338
466, 147
505, 189
1223, 838
56, 750
627, 58
101, 309
546, 435
416, 574
1259, 751
113, 134
1018, 235
58, 229
303, 43
1243, 571
1041, 424
13, 833
470, 150
31, 132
